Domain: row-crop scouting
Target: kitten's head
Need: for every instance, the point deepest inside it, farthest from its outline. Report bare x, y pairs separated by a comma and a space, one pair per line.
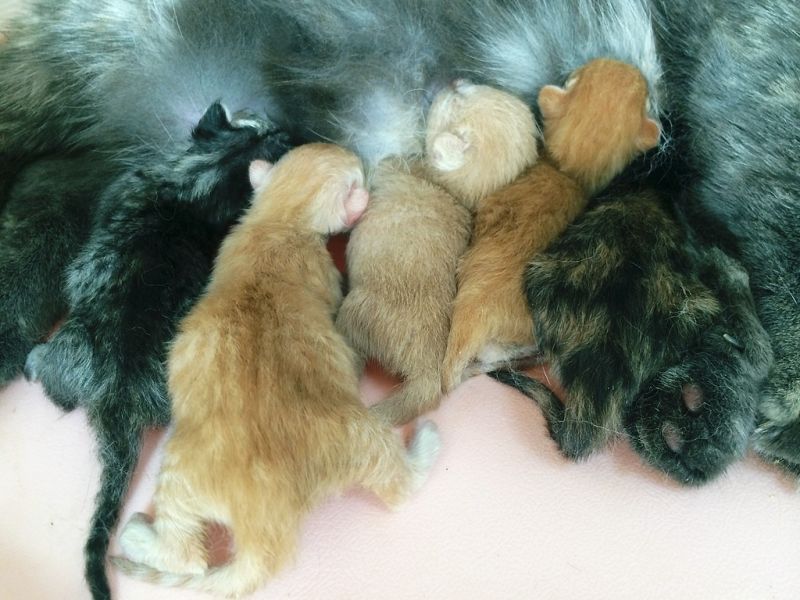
598, 122
478, 139
212, 173
315, 186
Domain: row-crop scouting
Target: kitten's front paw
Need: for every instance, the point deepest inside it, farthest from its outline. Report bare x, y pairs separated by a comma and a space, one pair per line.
34, 362
695, 418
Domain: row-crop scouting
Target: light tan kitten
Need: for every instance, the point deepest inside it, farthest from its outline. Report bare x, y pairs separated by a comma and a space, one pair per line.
593, 128
402, 256
267, 416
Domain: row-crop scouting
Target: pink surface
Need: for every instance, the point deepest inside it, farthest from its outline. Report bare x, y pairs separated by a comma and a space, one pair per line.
502, 516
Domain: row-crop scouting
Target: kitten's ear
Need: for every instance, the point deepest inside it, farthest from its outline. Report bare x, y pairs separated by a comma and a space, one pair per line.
259, 173
552, 101
212, 122
447, 152
649, 135
355, 203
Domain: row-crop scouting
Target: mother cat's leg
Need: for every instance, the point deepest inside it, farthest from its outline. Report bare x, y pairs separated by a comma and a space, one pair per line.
734, 71
697, 415
42, 228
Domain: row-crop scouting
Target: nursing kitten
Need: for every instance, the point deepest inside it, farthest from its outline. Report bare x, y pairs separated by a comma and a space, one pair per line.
592, 130
645, 328
267, 416
402, 256
148, 257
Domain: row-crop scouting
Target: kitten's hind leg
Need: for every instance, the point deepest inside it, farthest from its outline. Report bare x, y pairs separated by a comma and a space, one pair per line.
695, 417
174, 542
392, 472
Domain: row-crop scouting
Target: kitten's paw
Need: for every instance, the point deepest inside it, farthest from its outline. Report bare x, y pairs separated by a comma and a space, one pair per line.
141, 544
693, 420
424, 448
34, 361
137, 538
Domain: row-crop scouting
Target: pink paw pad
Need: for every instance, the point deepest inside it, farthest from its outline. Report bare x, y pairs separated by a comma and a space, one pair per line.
692, 397
672, 437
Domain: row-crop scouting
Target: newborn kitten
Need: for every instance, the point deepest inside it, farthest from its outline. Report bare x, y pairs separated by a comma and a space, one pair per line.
148, 256
592, 129
402, 256
266, 409
625, 274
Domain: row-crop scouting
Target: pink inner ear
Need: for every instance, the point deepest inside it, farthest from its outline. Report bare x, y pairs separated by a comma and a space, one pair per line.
551, 101
355, 204
259, 172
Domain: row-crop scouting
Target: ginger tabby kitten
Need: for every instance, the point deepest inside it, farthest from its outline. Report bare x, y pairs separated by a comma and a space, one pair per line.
593, 128
267, 416
402, 256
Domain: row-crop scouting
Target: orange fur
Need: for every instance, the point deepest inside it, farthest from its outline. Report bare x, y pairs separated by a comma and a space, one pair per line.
593, 128
402, 256
267, 416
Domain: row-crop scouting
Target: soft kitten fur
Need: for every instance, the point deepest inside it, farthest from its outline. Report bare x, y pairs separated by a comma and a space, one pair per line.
592, 129
150, 251
644, 325
47, 218
402, 256
266, 409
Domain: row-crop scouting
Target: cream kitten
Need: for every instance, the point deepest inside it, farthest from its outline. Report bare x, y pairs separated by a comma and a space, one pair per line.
402, 256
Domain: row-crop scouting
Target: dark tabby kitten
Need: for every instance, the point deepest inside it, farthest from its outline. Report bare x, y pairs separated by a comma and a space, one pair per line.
624, 302
44, 223
149, 255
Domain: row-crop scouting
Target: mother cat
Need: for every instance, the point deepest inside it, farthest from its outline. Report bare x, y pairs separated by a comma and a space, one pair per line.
363, 71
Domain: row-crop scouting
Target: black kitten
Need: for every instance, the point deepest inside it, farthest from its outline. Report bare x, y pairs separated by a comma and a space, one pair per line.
625, 302
149, 255
45, 222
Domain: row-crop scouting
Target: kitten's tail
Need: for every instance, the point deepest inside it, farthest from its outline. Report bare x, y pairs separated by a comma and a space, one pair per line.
577, 429
119, 444
420, 394
551, 406
241, 576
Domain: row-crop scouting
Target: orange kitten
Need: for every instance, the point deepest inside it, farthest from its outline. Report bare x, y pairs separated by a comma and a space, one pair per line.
266, 409
402, 256
593, 128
